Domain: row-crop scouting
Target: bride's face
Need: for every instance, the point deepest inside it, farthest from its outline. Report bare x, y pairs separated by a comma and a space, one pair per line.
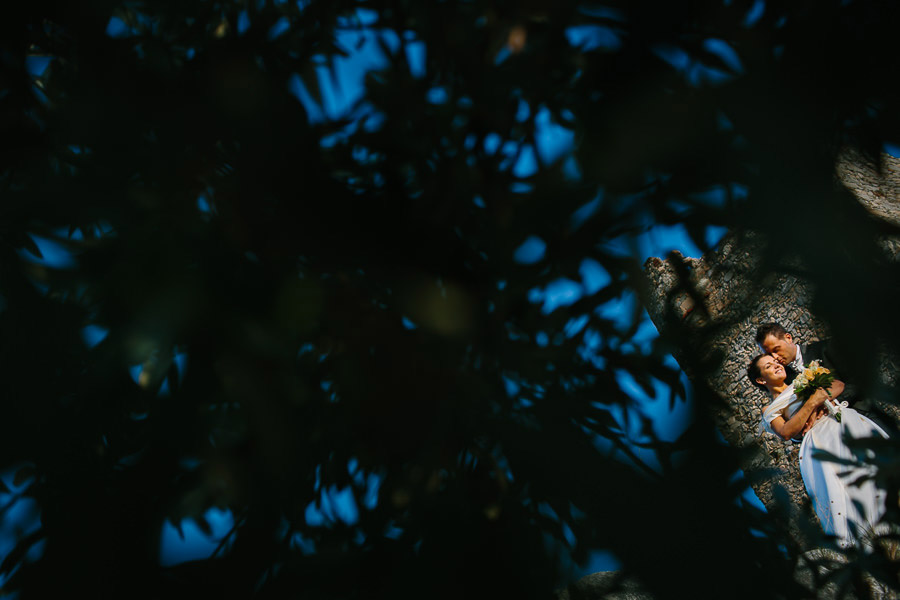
771, 371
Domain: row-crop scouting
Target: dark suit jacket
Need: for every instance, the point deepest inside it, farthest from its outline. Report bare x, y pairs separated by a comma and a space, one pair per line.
822, 352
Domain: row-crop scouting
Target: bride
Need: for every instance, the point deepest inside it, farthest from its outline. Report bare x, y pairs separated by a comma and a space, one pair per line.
847, 508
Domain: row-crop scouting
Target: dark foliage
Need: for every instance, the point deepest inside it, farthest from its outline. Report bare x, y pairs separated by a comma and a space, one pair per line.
347, 297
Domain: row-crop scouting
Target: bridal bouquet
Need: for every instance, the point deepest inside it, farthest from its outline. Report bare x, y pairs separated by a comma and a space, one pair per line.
812, 377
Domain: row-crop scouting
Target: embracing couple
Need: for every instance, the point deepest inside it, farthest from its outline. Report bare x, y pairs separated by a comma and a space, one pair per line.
846, 499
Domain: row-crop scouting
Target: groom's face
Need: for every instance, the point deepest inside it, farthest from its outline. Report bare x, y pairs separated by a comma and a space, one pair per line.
781, 349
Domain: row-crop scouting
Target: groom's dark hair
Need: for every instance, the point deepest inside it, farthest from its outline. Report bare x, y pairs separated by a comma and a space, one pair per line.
767, 329
754, 372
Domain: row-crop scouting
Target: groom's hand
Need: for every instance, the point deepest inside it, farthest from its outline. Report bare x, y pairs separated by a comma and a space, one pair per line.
818, 414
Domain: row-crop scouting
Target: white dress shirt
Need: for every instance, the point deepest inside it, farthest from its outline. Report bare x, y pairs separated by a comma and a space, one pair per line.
797, 364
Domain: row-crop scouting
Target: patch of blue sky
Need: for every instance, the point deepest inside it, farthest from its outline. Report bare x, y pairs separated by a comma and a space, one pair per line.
633, 433
361, 17
593, 276
74, 234
39, 94
92, 335
278, 28
437, 95
135, 372
676, 57
755, 13
19, 518
592, 37
373, 485
510, 385
204, 205
560, 292
669, 420
552, 139
585, 211
243, 22
695, 72
191, 543
391, 531
333, 504
531, 251
492, 143
304, 545
314, 113
553, 142
502, 55
662, 239
354, 471
714, 196
700, 74
117, 28
645, 334
36, 64
597, 561
618, 311
342, 85
526, 163
19, 514
892, 149
181, 363
574, 325
53, 254
571, 169
714, 235
165, 389
415, 57
523, 111
659, 240
364, 54
739, 191
564, 291
724, 52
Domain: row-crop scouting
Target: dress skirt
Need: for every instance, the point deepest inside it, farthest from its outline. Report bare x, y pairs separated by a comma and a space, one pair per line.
846, 499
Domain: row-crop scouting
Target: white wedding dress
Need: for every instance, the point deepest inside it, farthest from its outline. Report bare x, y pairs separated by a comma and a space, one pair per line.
845, 510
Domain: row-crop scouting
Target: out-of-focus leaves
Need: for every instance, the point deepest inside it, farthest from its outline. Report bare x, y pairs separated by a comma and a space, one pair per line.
23, 474
344, 291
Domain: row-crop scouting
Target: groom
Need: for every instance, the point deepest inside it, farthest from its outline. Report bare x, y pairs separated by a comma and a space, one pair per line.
776, 341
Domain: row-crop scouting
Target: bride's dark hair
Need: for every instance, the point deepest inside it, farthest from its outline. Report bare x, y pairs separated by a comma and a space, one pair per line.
754, 372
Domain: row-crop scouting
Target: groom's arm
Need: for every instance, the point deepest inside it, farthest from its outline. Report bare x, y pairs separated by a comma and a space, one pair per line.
817, 414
